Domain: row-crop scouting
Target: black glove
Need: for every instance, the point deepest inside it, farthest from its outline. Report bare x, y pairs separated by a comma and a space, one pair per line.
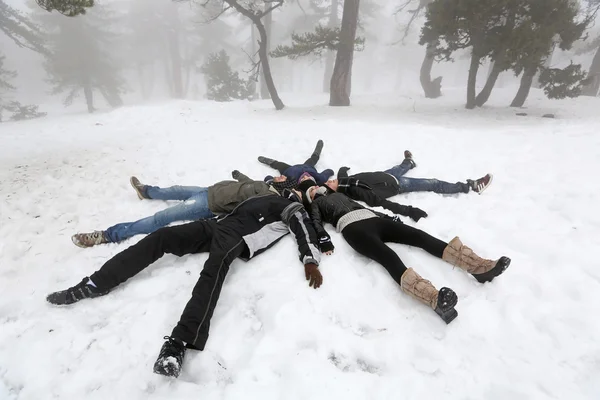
416, 213
313, 275
235, 174
325, 244
396, 218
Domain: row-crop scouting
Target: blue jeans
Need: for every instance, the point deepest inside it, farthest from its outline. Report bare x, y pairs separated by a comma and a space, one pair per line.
408, 185
194, 207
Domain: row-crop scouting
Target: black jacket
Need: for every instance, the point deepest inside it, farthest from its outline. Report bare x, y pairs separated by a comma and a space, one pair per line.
331, 208
381, 186
263, 220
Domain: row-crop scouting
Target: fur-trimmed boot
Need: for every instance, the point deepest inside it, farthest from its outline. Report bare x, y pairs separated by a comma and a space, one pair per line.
459, 255
442, 301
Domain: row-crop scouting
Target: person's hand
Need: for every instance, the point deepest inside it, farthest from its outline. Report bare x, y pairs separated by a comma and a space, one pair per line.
313, 275
326, 245
416, 214
235, 174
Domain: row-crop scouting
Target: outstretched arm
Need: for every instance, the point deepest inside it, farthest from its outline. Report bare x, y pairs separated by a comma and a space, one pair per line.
374, 200
325, 243
301, 227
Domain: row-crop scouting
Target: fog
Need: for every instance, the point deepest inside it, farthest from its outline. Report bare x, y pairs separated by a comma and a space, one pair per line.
153, 49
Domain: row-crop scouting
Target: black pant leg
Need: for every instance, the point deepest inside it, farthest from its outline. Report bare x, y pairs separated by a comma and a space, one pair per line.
194, 237
280, 166
313, 160
404, 234
194, 324
363, 236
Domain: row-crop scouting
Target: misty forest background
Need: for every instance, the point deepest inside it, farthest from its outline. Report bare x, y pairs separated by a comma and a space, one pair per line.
109, 53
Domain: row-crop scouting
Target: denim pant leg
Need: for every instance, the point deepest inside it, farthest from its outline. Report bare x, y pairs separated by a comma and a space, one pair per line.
431, 185
196, 207
400, 170
173, 192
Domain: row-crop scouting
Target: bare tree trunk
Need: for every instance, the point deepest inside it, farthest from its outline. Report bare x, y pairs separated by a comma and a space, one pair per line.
264, 90
526, 82
89, 97
485, 93
593, 80
254, 50
330, 57
472, 81
432, 89
264, 62
342, 71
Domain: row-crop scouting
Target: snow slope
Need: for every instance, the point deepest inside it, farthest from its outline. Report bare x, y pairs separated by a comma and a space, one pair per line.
531, 334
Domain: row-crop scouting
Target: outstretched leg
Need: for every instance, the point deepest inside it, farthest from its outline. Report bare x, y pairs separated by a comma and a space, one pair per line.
157, 193
194, 237
314, 158
408, 185
193, 326
278, 165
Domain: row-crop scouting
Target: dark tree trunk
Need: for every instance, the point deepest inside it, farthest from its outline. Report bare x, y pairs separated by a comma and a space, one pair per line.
264, 62
342, 71
525, 87
485, 93
593, 80
264, 90
254, 51
330, 56
472, 81
432, 89
89, 97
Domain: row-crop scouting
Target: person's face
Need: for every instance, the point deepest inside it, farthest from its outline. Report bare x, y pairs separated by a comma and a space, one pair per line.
281, 178
333, 184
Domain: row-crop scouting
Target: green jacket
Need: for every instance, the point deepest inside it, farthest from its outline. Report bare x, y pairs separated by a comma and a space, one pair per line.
224, 196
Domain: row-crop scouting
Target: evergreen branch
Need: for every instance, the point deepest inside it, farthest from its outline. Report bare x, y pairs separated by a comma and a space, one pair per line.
314, 43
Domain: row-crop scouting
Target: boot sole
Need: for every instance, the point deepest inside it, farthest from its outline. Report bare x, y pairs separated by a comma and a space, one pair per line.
136, 189
499, 269
169, 371
445, 310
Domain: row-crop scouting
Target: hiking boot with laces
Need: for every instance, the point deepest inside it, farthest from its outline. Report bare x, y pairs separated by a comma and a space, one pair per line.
170, 359
139, 188
479, 185
83, 290
408, 156
90, 239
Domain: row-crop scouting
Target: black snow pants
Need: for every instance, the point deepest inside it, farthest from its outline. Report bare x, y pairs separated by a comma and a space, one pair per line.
368, 237
282, 167
224, 245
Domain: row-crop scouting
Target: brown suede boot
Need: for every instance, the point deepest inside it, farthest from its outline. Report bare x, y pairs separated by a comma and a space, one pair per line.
459, 255
442, 301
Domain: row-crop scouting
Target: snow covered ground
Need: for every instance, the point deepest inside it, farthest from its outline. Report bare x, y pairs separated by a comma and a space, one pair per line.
531, 334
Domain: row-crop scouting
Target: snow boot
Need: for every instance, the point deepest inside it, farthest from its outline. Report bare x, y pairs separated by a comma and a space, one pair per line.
318, 148
479, 185
442, 301
139, 188
408, 156
83, 290
90, 239
266, 160
459, 255
170, 359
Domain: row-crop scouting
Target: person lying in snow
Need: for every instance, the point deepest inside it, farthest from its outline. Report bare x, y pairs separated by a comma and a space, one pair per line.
367, 231
198, 203
376, 186
293, 172
251, 228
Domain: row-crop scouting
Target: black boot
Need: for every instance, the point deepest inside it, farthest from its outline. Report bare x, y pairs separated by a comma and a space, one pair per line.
447, 300
170, 359
82, 290
318, 148
265, 160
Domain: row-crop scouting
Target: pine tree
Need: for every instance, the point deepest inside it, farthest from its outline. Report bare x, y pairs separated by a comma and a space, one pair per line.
69, 8
80, 59
222, 83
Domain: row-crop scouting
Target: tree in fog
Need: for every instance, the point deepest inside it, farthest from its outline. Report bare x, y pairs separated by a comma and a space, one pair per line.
25, 34
80, 59
591, 85
339, 91
69, 8
222, 82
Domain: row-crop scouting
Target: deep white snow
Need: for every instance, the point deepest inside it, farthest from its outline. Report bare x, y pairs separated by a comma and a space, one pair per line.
531, 334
